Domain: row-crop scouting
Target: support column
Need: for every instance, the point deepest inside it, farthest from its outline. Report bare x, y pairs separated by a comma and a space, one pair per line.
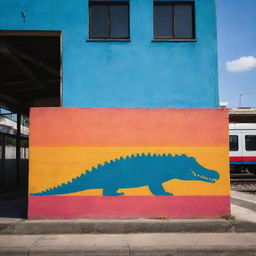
18, 147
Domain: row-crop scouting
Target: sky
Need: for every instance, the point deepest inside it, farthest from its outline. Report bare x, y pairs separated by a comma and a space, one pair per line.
236, 26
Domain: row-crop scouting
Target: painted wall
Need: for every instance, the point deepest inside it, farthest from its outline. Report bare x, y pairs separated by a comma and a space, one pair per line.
140, 73
117, 163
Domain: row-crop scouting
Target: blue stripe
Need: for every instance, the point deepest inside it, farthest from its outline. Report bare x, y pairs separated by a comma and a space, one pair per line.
243, 162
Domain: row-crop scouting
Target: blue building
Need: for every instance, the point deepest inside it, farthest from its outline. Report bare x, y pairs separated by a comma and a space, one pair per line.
152, 54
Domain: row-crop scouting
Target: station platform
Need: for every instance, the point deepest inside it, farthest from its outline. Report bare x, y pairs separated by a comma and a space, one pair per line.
235, 235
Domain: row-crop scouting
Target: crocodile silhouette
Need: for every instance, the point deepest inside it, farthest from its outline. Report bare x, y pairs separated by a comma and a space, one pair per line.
136, 171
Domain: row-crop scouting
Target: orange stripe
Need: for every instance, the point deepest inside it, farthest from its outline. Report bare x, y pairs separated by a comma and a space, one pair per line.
128, 127
52, 166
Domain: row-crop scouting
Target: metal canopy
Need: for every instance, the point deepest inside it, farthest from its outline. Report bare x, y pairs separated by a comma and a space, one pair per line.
29, 70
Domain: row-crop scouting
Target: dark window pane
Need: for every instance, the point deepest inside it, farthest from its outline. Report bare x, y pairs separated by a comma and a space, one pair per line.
163, 21
233, 143
120, 21
183, 21
250, 142
99, 26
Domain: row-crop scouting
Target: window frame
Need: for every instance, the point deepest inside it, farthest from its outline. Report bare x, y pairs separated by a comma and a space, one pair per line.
246, 146
109, 4
173, 4
236, 150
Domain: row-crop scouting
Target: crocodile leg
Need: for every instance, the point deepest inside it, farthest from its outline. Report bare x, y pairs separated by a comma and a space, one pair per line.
158, 190
111, 192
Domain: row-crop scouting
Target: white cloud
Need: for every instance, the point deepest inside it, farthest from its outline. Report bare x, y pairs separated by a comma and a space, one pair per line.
243, 64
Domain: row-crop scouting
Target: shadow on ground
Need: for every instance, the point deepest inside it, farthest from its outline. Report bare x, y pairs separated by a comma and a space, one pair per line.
14, 204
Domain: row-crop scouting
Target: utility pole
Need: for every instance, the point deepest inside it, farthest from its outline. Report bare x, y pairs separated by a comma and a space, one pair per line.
240, 97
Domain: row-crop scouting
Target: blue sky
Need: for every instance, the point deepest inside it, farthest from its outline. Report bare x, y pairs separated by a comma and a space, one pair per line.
236, 23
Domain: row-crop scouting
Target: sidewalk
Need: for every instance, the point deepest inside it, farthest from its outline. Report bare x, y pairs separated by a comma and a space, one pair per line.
131, 244
243, 206
156, 237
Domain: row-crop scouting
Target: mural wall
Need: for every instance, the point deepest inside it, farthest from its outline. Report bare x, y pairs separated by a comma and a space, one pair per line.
117, 163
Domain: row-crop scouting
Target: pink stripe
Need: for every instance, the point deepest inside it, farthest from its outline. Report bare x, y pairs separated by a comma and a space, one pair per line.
61, 207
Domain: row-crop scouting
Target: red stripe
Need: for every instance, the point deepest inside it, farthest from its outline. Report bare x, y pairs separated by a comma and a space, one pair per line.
60, 207
236, 158
249, 158
242, 158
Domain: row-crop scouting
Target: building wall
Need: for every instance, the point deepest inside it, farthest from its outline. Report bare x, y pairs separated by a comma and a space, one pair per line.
120, 163
139, 73
144, 119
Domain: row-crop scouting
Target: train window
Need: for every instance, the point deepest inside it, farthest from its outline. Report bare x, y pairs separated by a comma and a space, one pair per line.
233, 143
250, 142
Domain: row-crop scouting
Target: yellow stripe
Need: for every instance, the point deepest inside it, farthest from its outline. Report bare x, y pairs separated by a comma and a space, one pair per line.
51, 166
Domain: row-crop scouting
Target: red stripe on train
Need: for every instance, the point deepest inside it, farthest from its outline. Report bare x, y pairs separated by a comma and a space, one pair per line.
242, 158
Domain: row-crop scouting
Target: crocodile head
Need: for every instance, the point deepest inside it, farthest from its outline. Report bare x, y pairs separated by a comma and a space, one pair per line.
192, 170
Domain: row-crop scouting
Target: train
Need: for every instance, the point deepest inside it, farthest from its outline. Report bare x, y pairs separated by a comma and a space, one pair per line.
242, 148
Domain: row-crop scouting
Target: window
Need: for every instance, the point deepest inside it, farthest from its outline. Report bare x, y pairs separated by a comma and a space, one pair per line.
250, 142
174, 20
109, 20
24, 149
233, 143
10, 148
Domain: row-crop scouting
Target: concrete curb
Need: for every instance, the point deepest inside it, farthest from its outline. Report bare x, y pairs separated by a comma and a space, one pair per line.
243, 226
99, 226
133, 252
88, 251
14, 251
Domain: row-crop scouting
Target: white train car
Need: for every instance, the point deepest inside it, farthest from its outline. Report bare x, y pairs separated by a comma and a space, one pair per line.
242, 144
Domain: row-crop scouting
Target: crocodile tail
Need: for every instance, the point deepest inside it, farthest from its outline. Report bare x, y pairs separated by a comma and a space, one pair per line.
77, 184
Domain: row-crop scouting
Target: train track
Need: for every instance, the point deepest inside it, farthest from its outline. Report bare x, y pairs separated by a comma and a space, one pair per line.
243, 182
